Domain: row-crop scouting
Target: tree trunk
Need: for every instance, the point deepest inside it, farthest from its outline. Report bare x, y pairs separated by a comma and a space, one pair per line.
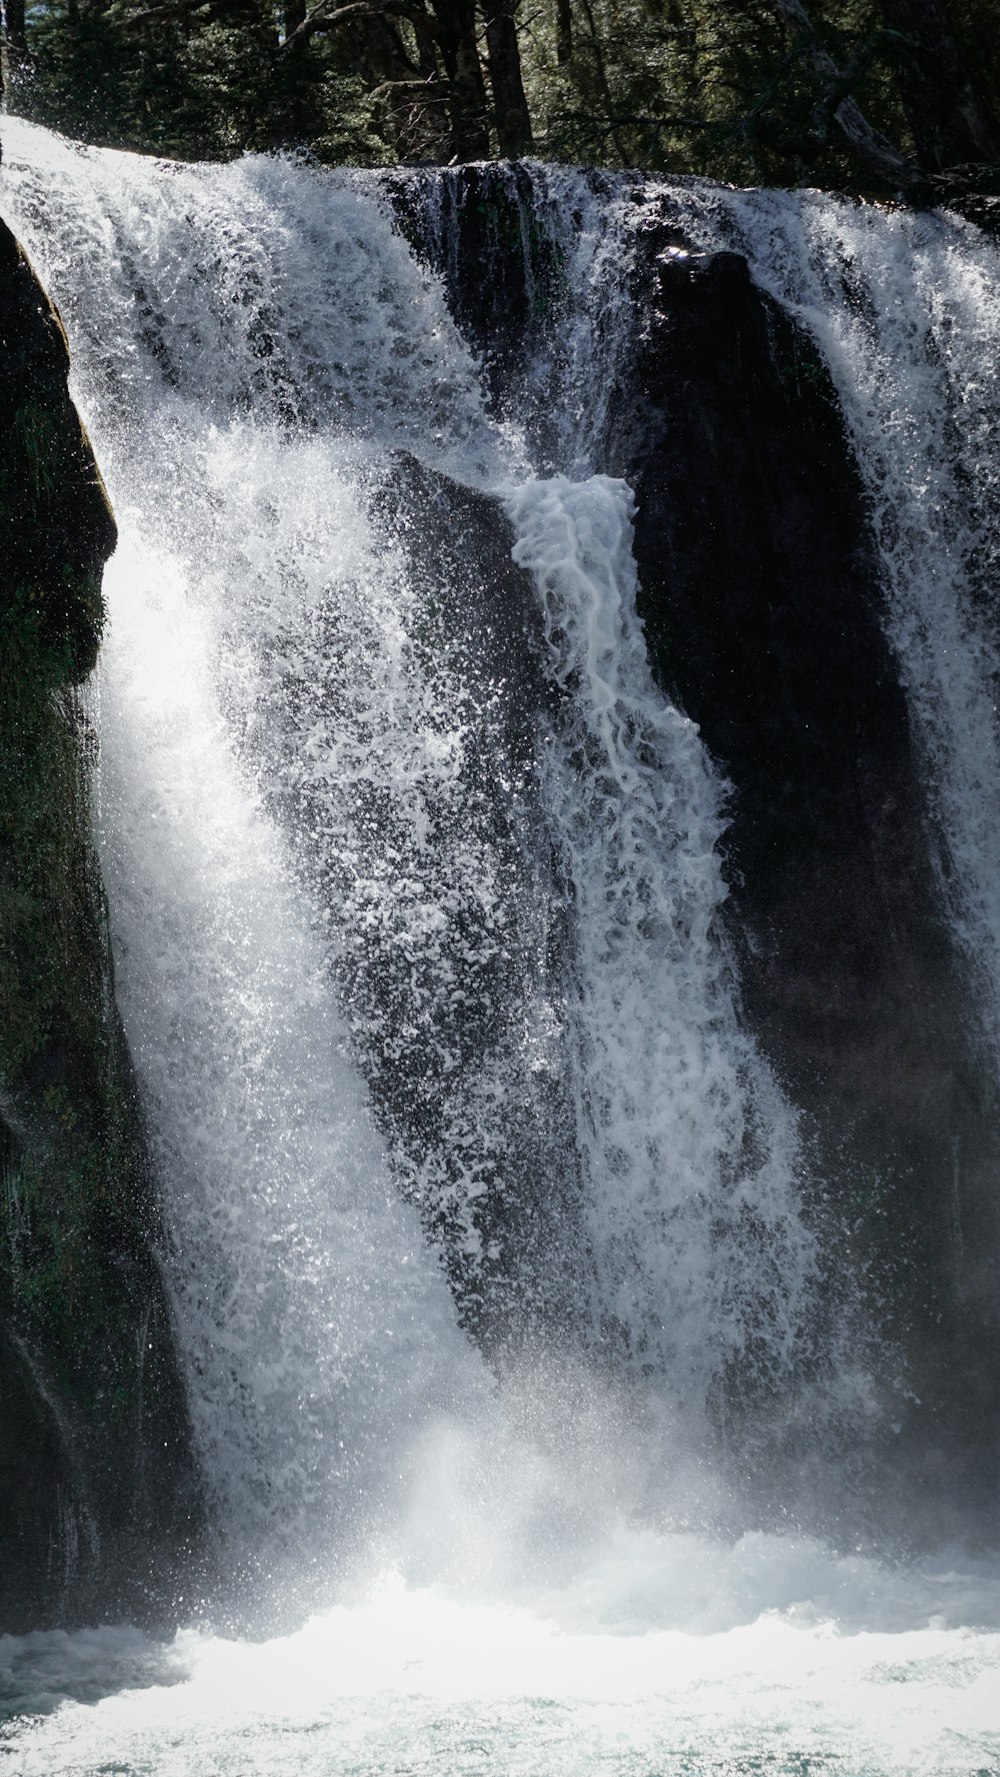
13, 43
601, 70
13, 20
510, 106
564, 32
456, 35
950, 123
882, 156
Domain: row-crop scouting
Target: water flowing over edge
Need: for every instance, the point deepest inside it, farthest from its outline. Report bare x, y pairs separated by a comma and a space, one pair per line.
236, 1013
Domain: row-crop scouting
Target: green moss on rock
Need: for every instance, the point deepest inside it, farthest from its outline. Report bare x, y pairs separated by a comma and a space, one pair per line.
96, 1488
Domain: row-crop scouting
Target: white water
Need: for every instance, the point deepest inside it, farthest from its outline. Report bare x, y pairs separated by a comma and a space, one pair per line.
288, 748
657, 1661
905, 310
676, 1215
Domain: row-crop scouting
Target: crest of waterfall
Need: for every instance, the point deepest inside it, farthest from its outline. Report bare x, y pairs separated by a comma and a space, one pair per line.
564, 342
397, 938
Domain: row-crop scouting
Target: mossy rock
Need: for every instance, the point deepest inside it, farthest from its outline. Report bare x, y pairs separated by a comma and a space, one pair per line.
97, 1494
56, 525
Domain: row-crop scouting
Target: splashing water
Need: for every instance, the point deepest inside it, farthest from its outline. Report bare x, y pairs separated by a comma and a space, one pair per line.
286, 705
682, 1209
607, 1682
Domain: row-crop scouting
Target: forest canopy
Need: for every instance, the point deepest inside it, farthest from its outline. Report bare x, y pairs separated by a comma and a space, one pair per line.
877, 95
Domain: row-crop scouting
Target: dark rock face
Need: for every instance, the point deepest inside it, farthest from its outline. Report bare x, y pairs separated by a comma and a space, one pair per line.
97, 1495
759, 588
56, 528
760, 594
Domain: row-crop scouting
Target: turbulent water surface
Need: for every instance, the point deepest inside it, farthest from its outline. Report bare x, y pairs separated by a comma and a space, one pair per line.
416, 896
594, 1678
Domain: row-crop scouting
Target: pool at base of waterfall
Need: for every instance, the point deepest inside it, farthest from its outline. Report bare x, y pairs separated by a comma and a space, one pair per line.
664, 1657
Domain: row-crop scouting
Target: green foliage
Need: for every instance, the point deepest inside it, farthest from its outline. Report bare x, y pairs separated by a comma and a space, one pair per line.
729, 88
185, 86
92, 76
353, 126
716, 87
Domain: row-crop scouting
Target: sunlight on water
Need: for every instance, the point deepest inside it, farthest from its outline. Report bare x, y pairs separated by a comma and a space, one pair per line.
607, 1677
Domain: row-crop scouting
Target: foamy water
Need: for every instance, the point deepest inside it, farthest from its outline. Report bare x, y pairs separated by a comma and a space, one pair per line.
654, 1660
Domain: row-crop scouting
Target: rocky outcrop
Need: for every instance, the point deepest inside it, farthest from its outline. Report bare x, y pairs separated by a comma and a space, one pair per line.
760, 592
97, 1495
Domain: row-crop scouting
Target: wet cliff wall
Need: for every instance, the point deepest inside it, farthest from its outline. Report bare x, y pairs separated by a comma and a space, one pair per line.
762, 597
763, 606
97, 1496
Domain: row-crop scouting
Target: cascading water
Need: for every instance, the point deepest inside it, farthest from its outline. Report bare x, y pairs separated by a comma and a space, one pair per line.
416, 898
904, 308
309, 659
687, 1152
313, 1323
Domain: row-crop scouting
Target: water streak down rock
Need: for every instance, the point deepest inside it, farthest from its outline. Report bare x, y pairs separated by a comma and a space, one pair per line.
761, 595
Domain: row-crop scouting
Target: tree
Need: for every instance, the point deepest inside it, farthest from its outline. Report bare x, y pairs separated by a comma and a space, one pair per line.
13, 46
513, 120
837, 101
877, 95
948, 116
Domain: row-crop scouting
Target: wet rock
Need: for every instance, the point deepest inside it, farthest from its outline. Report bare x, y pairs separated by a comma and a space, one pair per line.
98, 1504
761, 597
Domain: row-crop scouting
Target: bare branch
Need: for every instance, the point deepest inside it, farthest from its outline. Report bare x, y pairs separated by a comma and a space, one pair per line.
178, 9
435, 91
319, 20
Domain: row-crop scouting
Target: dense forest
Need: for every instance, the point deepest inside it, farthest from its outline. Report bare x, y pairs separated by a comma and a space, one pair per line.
871, 95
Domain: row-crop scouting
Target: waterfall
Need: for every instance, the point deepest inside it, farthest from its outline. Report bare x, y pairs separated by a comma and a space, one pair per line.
319, 835
527, 1344
415, 871
688, 1153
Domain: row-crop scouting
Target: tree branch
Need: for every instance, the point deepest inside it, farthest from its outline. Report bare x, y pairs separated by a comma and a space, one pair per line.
320, 20
178, 9
876, 149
